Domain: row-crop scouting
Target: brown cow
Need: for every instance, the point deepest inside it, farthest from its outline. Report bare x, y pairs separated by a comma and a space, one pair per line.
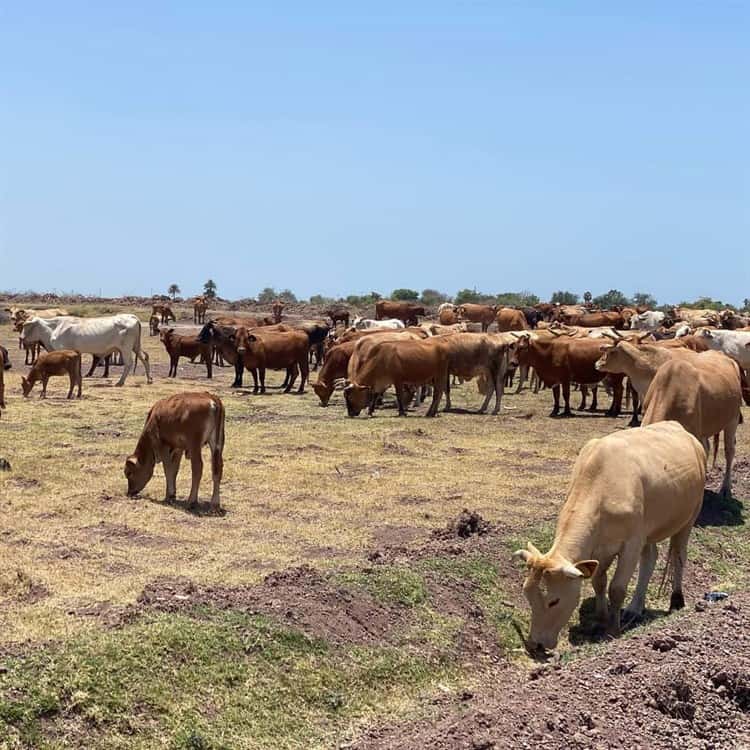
153, 325
277, 308
334, 369
200, 307
179, 424
448, 316
401, 364
164, 312
60, 362
509, 319
609, 319
4, 365
704, 395
408, 312
242, 320
338, 314
178, 346
560, 361
259, 350
484, 314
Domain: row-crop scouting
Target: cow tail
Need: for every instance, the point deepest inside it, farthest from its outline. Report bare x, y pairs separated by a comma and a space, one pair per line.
217, 459
668, 575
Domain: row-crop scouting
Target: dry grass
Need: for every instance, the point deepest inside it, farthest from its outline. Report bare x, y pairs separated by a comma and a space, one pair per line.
302, 484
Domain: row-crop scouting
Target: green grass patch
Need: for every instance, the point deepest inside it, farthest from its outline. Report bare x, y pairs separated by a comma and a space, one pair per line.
389, 584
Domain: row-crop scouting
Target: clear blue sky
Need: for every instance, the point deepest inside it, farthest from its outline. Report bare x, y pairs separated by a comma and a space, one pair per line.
342, 147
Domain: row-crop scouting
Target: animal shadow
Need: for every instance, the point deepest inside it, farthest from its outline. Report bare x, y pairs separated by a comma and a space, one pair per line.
719, 511
199, 509
588, 630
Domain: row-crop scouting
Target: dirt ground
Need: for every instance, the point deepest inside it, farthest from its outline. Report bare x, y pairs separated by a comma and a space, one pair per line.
352, 532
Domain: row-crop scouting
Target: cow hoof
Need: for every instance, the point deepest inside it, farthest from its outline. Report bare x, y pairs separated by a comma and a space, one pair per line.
676, 601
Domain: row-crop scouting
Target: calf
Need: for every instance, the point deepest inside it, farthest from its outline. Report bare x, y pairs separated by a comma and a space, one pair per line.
629, 491
334, 370
60, 362
179, 424
185, 346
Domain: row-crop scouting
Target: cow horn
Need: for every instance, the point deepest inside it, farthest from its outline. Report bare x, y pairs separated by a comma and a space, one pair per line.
515, 335
618, 334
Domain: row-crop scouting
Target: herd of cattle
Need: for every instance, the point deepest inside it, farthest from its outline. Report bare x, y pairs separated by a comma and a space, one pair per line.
685, 370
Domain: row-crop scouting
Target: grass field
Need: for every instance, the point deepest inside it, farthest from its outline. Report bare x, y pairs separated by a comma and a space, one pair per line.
135, 623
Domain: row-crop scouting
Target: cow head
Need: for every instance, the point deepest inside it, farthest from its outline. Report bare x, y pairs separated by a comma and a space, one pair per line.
323, 391
356, 397
245, 340
553, 590
26, 385
138, 472
519, 351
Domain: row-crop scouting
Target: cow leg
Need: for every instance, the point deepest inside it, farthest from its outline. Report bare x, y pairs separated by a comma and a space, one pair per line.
634, 421
209, 364
678, 546
594, 394
171, 461
400, 398
566, 398
627, 560
730, 432
196, 464
217, 469
448, 405
291, 377
556, 396
617, 389
437, 394
646, 567
107, 361
523, 374
584, 396
94, 363
72, 377
599, 584
304, 374
45, 380
126, 368
239, 366
173, 361
262, 377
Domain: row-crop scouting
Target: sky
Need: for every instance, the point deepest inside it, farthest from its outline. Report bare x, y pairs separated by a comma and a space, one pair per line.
337, 147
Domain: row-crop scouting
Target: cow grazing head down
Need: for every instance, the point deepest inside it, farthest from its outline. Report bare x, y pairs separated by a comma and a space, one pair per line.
356, 397
138, 472
553, 590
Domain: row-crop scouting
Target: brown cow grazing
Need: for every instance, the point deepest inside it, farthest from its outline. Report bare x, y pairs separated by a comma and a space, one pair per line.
259, 350
560, 361
200, 307
484, 314
179, 424
705, 396
163, 311
334, 369
60, 362
397, 363
153, 325
185, 346
277, 308
509, 319
408, 312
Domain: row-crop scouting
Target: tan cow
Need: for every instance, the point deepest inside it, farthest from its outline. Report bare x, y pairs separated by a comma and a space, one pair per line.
629, 491
277, 308
60, 362
200, 307
484, 314
704, 395
509, 319
179, 424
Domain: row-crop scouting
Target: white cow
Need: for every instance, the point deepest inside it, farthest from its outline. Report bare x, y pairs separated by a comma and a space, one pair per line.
363, 324
647, 321
735, 344
98, 336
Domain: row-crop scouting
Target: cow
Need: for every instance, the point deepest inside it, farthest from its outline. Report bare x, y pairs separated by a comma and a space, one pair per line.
560, 361
153, 325
509, 319
200, 308
609, 319
4, 365
100, 336
338, 314
473, 354
649, 321
483, 314
448, 314
703, 394
533, 316
408, 312
732, 343
277, 308
259, 350
731, 321
317, 331
435, 329
629, 491
60, 362
163, 311
401, 364
363, 324
179, 424
564, 313
242, 320
178, 345
695, 317
546, 310
19, 315
333, 371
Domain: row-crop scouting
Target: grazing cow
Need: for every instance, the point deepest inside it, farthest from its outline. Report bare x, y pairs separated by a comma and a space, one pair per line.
178, 346
408, 312
99, 336
163, 311
733, 343
484, 314
60, 362
629, 491
259, 350
509, 319
473, 354
363, 324
401, 364
200, 307
560, 361
704, 395
179, 424
333, 371
153, 325
338, 314
277, 308
649, 321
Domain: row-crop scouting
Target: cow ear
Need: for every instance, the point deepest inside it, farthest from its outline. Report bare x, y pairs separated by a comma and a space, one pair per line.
587, 567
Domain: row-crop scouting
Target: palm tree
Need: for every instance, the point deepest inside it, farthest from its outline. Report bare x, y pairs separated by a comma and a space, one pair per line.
174, 290
209, 289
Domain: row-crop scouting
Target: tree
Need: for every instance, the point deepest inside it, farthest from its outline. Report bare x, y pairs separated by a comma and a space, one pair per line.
565, 298
644, 299
173, 290
267, 295
516, 299
433, 298
613, 298
321, 300
287, 295
407, 295
209, 289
